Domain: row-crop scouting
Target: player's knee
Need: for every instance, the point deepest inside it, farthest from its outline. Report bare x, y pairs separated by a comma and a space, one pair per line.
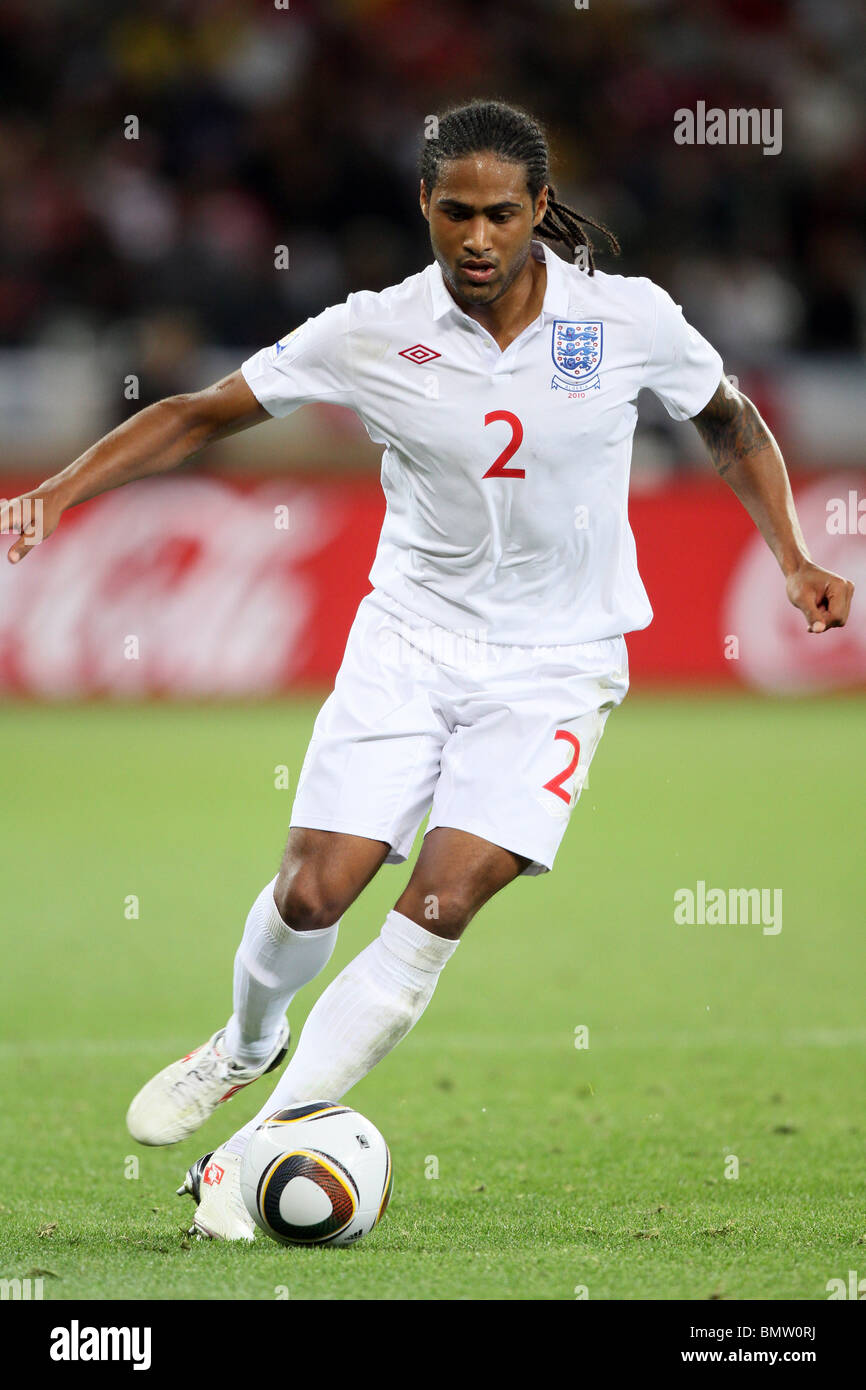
446, 914
305, 902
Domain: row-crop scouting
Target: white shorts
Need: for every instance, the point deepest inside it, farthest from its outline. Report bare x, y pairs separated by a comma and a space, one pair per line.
497, 740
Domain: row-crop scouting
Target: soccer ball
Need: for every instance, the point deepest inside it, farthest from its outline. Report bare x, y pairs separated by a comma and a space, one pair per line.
317, 1173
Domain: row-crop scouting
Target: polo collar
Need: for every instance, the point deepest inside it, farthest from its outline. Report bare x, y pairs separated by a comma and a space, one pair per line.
556, 294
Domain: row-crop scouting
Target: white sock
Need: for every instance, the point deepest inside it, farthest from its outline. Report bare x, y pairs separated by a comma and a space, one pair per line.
272, 963
362, 1014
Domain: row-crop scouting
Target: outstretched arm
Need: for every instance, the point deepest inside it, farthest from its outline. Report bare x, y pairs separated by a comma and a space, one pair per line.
747, 456
158, 438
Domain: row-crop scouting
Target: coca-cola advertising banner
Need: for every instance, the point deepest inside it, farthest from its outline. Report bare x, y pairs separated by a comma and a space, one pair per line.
198, 585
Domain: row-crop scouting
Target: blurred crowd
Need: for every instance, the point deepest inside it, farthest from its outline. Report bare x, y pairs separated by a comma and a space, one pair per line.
259, 126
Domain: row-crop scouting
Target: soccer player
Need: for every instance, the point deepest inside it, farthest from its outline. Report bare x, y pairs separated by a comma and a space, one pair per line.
480, 671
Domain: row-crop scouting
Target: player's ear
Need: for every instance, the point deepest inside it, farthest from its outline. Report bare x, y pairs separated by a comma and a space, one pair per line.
540, 207
424, 201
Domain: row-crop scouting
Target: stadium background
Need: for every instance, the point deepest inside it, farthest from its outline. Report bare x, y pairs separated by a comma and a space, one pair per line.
152, 261
144, 805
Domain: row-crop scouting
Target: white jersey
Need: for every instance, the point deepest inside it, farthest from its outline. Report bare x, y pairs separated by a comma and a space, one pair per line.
505, 473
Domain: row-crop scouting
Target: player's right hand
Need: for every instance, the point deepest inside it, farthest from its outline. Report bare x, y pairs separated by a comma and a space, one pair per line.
33, 516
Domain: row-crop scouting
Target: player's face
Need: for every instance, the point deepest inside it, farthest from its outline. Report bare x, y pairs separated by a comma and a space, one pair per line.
481, 220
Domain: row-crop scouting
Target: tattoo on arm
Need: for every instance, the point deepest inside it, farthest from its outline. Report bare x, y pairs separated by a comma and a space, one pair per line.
731, 428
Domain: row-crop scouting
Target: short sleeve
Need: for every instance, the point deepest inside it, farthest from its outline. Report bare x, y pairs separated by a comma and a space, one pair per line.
682, 369
309, 364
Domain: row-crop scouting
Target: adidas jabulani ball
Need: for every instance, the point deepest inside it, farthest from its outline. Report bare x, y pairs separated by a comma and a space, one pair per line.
317, 1173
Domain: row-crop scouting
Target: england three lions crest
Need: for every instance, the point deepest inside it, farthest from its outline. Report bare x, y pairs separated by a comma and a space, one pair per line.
576, 349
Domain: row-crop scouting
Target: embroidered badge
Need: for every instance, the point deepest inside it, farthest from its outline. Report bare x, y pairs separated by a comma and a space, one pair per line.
576, 348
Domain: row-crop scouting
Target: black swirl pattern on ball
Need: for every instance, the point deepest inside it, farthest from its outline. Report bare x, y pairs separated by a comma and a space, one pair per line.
310, 1110
339, 1186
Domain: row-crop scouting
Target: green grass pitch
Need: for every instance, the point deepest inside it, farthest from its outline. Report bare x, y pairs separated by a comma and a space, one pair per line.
560, 1168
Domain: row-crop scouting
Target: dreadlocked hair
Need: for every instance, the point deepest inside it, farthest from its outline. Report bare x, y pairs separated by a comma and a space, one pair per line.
513, 135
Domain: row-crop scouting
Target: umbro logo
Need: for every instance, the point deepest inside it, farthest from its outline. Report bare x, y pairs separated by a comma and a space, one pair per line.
419, 354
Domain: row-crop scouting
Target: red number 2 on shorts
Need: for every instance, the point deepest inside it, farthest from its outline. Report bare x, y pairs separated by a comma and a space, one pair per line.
555, 783
497, 468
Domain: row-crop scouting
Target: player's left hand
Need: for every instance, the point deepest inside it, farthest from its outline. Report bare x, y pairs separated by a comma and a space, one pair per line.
822, 596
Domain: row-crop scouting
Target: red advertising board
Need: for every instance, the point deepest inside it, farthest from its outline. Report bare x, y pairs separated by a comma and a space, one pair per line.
195, 585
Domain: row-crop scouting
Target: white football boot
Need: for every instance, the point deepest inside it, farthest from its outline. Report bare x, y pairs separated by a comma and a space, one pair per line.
214, 1183
178, 1100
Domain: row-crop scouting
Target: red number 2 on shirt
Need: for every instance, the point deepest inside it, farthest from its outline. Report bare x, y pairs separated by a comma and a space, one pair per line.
497, 469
